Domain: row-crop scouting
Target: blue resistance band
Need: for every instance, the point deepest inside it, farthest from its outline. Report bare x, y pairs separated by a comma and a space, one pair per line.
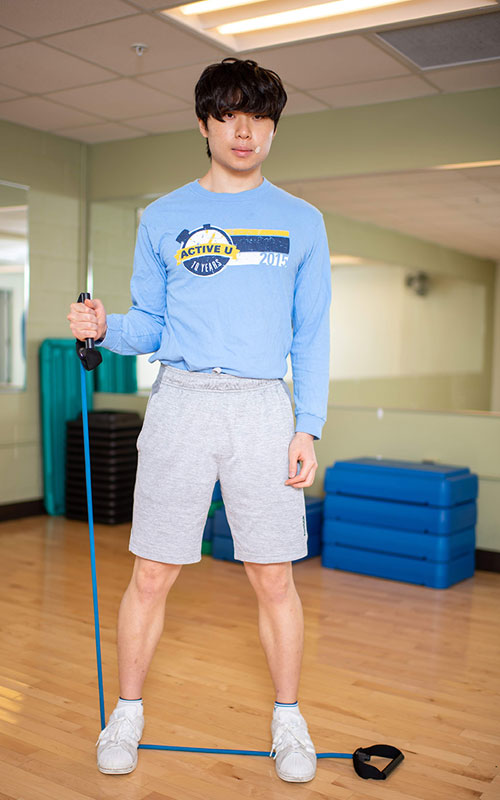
360, 756
86, 445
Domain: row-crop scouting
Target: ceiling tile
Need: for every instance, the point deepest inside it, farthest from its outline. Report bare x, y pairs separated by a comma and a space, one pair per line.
116, 99
178, 82
299, 103
329, 62
181, 82
8, 37
33, 67
471, 76
35, 18
9, 94
106, 132
494, 183
166, 101
109, 45
483, 173
356, 94
36, 112
163, 123
448, 207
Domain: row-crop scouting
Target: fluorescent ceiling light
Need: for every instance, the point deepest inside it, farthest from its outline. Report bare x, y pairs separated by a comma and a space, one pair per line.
12, 268
469, 164
243, 25
345, 259
306, 14
206, 6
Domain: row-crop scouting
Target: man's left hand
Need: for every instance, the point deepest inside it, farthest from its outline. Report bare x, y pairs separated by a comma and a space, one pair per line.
301, 448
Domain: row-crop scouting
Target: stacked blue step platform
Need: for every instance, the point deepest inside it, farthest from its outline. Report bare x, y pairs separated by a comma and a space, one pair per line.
206, 545
403, 520
222, 541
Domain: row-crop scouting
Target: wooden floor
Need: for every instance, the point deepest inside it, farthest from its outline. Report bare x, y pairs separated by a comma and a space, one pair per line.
384, 661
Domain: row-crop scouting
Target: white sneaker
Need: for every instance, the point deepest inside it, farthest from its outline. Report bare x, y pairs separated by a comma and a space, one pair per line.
117, 742
294, 753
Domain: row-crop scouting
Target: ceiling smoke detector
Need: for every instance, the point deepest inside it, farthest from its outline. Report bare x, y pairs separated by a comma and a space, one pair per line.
139, 48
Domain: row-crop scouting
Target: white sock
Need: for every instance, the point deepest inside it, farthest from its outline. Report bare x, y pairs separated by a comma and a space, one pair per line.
135, 705
286, 708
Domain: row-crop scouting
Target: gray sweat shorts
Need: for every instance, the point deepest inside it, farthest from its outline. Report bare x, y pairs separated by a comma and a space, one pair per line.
201, 427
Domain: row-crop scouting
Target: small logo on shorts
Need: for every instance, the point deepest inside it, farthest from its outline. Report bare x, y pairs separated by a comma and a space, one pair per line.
304, 524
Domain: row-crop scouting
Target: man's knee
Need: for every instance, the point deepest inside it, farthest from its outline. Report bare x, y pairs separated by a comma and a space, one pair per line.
271, 582
153, 578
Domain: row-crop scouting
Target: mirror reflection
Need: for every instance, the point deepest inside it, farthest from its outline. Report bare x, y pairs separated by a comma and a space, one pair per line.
14, 283
412, 318
113, 227
408, 338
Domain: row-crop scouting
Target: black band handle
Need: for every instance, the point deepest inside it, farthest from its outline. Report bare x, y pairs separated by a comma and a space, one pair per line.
89, 343
363, 754
87, 353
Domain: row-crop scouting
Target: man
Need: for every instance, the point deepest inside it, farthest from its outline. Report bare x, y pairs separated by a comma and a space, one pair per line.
231, 274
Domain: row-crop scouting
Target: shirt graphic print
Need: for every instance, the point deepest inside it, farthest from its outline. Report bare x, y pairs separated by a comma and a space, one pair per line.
207, 250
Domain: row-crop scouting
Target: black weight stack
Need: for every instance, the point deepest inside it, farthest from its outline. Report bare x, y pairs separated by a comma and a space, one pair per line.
113, 463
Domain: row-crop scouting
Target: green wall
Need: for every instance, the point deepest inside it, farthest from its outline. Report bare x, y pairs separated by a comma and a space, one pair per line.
387, 136
51, 166
401, 135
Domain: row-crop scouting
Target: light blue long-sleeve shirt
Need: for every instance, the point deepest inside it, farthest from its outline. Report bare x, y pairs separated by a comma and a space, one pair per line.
236, 281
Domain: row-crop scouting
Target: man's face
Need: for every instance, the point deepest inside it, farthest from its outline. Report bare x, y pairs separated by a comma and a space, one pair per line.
234, 141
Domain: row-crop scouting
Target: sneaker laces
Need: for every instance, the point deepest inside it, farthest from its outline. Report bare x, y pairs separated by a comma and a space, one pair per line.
115, 731
295, 741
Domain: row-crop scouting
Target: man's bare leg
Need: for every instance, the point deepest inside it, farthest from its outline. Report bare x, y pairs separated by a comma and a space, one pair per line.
140, 624
141, 619
281, 625
281, 629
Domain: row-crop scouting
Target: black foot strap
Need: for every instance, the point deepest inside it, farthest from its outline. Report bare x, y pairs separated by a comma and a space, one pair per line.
363, 754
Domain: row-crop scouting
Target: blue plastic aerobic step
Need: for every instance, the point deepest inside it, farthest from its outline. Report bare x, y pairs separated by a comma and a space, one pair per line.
408, 481
209, 524
439, 575
397, 514
424, 546
403, 520
216, 495
208, 529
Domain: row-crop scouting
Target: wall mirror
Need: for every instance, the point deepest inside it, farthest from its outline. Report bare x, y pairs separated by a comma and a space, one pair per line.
14, 285
407, 337
413, 286
112, 231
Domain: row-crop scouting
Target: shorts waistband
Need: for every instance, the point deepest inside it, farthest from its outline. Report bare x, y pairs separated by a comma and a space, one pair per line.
211, 381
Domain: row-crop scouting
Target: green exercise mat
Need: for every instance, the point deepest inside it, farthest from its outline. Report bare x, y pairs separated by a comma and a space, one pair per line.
60, 400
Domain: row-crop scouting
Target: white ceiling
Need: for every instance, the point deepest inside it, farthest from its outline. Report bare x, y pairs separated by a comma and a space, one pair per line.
457, 208
14, 221
67, 67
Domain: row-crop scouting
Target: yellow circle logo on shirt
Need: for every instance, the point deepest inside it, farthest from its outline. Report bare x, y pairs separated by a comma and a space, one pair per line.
206, 250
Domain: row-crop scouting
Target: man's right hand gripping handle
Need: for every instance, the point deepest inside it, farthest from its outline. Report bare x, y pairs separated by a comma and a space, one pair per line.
88, 320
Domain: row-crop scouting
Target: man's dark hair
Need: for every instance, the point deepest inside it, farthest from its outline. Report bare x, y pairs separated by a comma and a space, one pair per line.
236, 85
